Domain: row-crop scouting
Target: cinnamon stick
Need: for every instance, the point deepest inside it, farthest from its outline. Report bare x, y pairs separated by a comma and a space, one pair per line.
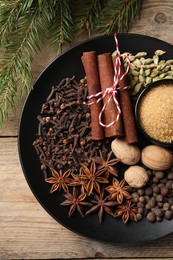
89, 60
126, 108
106, 74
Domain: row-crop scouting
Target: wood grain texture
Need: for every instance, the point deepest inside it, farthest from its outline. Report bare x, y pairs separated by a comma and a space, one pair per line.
156, 20
27, 231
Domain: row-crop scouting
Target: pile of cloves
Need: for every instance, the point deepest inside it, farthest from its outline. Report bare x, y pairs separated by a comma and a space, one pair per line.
64, 131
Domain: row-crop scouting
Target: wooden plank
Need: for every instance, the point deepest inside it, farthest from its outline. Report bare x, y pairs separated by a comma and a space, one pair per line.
25, 236
155, 20
27, 231
10, 128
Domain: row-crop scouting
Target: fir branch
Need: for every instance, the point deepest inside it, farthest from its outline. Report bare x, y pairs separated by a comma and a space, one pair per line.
15, 60
24, 24
87, 14
118, 15
9, 13
61, 26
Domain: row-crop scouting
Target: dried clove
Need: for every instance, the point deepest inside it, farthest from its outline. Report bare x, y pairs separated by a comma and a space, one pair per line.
64, 131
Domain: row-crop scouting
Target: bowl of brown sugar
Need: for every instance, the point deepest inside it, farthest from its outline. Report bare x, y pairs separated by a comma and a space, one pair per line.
154, 112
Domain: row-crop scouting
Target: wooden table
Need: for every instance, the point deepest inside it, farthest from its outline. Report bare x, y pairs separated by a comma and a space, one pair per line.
26, 229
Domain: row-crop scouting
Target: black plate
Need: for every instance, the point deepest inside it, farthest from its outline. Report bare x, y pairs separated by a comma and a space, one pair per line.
66, 65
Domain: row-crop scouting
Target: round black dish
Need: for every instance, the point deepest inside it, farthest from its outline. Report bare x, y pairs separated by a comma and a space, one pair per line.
144, 91
66, 65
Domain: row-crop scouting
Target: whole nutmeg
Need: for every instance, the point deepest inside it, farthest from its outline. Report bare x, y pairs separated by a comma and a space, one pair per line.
136, 176
157, 158
127, 153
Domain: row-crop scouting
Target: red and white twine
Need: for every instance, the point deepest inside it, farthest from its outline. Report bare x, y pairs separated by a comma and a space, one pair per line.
112, 89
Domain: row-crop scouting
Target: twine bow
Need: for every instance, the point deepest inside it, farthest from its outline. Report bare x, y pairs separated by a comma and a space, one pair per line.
112, 89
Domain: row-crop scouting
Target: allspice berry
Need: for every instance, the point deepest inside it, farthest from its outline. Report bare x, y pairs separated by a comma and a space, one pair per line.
136, 176
159, 198
152, 202
139, 216
169, 184
170, 200
156, 199
164, 191
168, 214
151, 217
166, 206
159, 174
141, 191
170, 176
156, 189
148, 191
135, 197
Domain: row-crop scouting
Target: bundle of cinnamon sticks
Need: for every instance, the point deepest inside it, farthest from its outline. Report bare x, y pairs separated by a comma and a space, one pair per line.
99, 70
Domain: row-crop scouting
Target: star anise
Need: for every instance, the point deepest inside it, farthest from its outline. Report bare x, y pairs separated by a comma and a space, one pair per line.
106, 163
118, 190
75, 201
59, 180
78, 181
92, 178
102, 204
126, 211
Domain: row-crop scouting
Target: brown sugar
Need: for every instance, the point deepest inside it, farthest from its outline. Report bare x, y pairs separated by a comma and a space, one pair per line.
156, 113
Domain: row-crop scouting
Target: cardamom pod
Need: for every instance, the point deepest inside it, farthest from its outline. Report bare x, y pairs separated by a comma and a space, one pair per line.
154, 73
137, 63
162, 75
169, 62
162, 62
135, 72
141, 71
114, 53
147, 72
142, 60
141, 79
152, 65
141, 54
137, 88
156, 79
159, 52
166, 69
168, 77
156, 59
169, 73
161, 66
148, 80
131, 58
132, 66
148, 61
